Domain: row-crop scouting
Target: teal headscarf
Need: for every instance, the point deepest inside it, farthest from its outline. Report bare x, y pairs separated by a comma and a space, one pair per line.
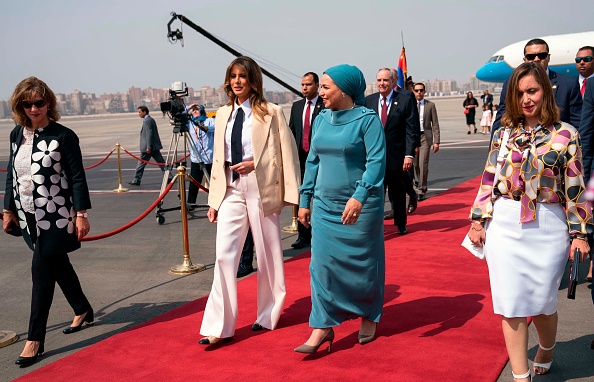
350, 80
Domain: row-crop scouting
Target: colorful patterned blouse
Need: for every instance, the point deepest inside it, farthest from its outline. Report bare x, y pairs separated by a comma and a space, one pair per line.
542, 166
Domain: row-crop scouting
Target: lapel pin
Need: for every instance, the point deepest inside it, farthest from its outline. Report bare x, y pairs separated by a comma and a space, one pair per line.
554, 86
395, 102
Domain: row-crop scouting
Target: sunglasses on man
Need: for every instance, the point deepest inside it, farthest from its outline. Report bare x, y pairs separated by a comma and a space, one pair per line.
585, 59
38, 104
532, 56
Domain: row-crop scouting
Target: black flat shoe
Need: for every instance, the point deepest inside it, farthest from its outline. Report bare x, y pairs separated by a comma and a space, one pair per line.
300, 243
412, 204
402, 230
134, 183
88, 320
257, 327
211, 340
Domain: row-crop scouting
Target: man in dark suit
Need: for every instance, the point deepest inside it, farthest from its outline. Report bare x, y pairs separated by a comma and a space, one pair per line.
430, 137
150, 144
567, 92
397, 111
587, 134
303, 113
584, 63
487, 99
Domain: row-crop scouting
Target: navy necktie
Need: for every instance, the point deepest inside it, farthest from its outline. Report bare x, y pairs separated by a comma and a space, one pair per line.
236, 145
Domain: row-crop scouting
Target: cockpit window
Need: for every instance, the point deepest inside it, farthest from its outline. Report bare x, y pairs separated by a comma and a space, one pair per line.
496, 59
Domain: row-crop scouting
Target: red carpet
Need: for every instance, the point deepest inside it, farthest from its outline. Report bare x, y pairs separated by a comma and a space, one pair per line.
438, 323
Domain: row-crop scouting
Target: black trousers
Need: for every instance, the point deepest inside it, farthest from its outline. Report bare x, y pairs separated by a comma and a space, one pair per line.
196, 173
394, 181
304, 232
247, 254
156, 154
46, 271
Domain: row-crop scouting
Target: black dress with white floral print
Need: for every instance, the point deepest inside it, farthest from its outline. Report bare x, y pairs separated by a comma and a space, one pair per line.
59, 188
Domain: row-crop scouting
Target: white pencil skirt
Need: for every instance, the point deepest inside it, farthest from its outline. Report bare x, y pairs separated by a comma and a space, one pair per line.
526, 260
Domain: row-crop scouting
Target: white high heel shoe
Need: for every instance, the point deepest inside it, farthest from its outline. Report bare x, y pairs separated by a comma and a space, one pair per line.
545, 366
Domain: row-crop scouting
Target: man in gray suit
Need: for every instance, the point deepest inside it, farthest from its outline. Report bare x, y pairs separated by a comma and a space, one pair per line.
429, 137
150, 144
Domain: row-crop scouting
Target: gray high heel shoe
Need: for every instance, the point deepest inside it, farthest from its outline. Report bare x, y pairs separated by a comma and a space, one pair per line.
312, 349
367, 338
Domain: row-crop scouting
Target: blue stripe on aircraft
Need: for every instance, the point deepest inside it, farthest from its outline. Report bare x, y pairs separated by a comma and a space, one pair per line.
500, 71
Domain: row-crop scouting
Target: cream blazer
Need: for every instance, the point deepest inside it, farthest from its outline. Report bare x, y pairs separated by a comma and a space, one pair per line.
275, 158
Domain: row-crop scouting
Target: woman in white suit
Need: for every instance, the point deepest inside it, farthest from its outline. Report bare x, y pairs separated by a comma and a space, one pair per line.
255, 172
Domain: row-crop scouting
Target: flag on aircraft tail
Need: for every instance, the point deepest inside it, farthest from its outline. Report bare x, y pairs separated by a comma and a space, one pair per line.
402, 69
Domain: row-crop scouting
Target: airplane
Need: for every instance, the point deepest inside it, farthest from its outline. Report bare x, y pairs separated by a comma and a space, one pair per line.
562, 49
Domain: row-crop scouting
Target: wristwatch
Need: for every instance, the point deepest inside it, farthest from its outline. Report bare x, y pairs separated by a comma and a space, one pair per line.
82, 215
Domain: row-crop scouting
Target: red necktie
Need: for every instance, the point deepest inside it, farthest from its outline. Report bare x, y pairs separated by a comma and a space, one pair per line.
583, 89
384, 116
306, 128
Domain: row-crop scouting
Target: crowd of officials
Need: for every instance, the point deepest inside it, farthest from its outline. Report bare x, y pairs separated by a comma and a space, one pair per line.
335, 158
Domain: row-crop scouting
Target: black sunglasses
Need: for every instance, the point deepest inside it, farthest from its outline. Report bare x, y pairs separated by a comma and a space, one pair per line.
419, 90
532, 56
586, 59
38, 104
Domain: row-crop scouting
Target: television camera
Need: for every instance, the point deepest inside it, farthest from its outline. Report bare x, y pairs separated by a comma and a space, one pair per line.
175, 108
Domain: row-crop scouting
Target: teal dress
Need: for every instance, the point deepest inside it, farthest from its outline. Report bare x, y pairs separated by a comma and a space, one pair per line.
346, 160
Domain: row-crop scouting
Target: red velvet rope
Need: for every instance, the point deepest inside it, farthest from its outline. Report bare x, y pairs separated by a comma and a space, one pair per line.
133, 222
196, 183
86, 168
153, 163
101, 161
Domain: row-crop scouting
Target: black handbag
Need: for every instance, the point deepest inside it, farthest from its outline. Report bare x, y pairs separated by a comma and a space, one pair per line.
573, 274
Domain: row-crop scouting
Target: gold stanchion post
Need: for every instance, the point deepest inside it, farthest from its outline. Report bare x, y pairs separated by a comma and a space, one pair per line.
293, 227
186, 267
120, 188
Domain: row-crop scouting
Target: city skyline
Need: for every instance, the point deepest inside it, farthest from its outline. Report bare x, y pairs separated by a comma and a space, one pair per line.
82, 103
98, 46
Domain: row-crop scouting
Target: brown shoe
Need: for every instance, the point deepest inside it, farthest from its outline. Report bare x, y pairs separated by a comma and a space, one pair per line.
389, 216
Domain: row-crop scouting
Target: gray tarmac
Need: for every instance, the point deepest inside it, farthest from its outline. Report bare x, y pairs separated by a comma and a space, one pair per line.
126, 277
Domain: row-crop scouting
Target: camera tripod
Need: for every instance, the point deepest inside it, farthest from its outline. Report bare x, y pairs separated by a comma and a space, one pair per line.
180, 133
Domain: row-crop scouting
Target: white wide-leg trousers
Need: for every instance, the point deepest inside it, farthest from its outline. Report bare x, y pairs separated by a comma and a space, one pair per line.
242, 207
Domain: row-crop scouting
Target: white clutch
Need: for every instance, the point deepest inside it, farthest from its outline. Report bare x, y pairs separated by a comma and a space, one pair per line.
477, 251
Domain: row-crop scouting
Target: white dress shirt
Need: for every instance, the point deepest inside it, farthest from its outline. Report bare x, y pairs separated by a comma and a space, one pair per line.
421, 106
311, 109
381, 102
246, 132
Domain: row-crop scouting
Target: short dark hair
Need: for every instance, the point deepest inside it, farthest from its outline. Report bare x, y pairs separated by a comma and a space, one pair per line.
420, 83
144, 109
587, 47
536, 41
315, 77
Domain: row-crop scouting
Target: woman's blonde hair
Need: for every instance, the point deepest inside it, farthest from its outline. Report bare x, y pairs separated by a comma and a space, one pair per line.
254, 81
514, 114
25, 91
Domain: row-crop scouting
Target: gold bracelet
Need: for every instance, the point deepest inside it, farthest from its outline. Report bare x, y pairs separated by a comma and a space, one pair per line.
4, 211
583, 238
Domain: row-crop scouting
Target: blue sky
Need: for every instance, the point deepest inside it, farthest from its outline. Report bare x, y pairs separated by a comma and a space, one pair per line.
105, 46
